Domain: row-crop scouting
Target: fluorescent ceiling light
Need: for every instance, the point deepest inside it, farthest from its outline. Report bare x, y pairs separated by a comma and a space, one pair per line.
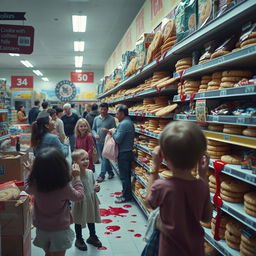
37, 72
26, 63
45, 79
79, 23
14, 54
78, 46
78, 61
78, 70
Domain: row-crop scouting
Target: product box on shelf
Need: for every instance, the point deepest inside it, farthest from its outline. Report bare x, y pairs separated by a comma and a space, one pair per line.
11, 165
207, 11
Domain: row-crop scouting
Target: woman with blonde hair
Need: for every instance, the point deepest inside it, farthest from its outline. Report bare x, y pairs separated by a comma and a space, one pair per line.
84, 139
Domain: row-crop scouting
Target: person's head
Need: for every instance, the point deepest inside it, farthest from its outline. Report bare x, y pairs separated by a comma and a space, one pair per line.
45, 105
88, 108
73, 105
121, 112
59, 112
67, 109
21, 108
52, 113
50, 171
103, 109
82, 127
37, 103
94, 107
40, 127
81, 157
182, 144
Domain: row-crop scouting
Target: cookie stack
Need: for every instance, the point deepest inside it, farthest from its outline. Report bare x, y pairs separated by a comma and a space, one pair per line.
191, 86
152, 144
216, 149
162, 124
223, 221
250, 203
233, 190
248, 245
232, 129
148, 104
233, 234
166, 110
158, 76
183, 64
154, 50
232, 159
132, 67
251, 40
215, 127
169, 36
215, 82
249, 131
141, 154
209, 250
231, 77
160, 102
212, 182
204, 83
152, 125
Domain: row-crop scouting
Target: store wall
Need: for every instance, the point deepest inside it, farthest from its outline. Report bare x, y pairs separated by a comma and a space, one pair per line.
86, 90
148, 18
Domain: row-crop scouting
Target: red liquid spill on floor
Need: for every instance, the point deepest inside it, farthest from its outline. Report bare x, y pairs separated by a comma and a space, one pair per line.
131, 230
102, 248
118, 236
137, 235
127, 206
115, 211
106, 221
133, 221
134, 215
123, 216
107, 233
113, 228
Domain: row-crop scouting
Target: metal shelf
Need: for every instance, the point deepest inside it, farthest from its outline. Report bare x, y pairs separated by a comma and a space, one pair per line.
235, 120
242, 91
237, 172
240, 140
4, 137
145, 166
221, 245
141, 180
3, 110
236, 210
142, 115
147, 133
142, 207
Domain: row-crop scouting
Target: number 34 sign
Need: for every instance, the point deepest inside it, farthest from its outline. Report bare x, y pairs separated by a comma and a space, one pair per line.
82, 77
22, 82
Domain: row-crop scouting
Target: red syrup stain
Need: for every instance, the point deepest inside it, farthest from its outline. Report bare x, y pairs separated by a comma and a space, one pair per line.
134, 215
114, 211
106, 221
131, 230
137, 235
116, 194
102, 248
118, 236
133, 221
113, 228
108, 233
127, 206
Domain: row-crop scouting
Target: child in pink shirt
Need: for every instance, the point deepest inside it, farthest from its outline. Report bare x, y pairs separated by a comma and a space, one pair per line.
84, 140
183, 200
49, 183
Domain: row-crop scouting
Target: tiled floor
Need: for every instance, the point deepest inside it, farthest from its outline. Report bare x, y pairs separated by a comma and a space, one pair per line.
119, 243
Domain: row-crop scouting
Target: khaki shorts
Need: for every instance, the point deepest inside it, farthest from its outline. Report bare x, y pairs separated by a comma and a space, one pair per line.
54, 241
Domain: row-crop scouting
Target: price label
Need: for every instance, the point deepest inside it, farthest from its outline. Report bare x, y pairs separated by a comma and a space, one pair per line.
227, 137
240, 120
202, 95
223, 92
82, 77
215, 119
22, 82
249, 89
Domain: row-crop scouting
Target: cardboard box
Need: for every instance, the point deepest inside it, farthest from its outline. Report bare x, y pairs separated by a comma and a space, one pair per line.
16, 245
12, 168
15, 220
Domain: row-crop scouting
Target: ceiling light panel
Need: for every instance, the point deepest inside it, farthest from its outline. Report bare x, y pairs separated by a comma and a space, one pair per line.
78, 70
38, 72
14, 54
79, 61
78, 46
45, 79
26, 63
79, 23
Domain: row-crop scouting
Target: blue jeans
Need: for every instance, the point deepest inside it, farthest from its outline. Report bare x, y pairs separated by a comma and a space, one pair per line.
125, 165
71, 141
105, 164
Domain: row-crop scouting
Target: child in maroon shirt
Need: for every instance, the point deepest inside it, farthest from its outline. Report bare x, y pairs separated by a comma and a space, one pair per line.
183, 200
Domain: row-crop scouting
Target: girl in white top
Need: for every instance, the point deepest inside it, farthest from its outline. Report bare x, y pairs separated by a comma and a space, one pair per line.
87, 210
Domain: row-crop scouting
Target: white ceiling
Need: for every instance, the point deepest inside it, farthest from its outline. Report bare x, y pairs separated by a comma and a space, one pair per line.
107, 21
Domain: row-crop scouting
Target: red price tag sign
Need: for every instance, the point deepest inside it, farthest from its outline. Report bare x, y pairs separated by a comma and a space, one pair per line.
22, 82
82, 77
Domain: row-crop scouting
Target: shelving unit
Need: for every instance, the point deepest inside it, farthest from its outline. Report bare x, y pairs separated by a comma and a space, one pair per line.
144, 210
142, 114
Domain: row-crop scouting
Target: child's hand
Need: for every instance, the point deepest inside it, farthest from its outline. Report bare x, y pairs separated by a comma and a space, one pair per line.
203, 165
75, 170
66, 140
27, 165
157, 158
97, 188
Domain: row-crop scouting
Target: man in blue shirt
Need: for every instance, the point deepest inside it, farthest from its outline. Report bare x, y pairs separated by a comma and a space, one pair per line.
124, 137
101, 125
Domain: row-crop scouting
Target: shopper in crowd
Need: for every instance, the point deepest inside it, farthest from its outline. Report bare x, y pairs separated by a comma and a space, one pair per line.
124, 137
49, 183
86, 211
59, 126
21, 115
69, 120
183, 200
94, 112
45, 107
84, 140
87, 110
100, 128
53, 115
33, 113
74, 110
41, 136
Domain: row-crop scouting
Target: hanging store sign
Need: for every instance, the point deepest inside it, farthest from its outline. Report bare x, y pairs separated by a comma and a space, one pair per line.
65, 91
16, 39
82, 77
12, 16
22, 82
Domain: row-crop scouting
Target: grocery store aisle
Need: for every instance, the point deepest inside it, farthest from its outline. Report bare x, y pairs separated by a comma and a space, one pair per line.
130, 225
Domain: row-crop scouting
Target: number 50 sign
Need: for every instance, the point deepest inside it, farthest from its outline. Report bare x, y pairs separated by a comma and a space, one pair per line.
22, 82
82, 77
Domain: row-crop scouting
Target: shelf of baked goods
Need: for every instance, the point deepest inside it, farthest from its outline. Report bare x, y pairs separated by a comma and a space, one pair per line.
145, 166
142, 207
3, 110
208, 32
141, 114
223, 119
4, 137
114, 166
140, 179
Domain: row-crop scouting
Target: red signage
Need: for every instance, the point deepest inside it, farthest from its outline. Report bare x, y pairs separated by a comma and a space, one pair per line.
22, 82
82, 77
16, 39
